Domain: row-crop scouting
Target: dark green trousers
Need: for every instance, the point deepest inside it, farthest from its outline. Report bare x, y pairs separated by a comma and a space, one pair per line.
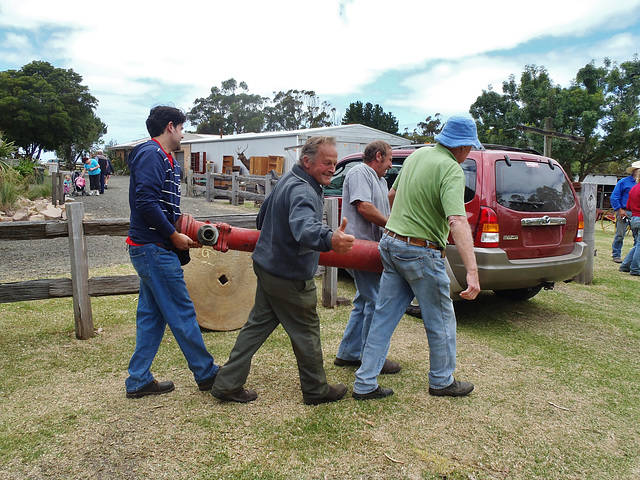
291, 303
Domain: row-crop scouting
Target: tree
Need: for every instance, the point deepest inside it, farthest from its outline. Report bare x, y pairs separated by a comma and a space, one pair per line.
43, 107
227, 112
600, 105
425, 131
370, 115
497, 116
86, 139
297, 109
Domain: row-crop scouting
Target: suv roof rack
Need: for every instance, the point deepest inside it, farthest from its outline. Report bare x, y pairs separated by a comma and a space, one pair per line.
491, 146
412, 146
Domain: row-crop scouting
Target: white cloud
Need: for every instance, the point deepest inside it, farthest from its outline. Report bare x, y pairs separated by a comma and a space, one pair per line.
130, 53
16, 42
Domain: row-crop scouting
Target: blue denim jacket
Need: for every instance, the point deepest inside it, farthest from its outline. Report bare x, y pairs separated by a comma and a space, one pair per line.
620, 193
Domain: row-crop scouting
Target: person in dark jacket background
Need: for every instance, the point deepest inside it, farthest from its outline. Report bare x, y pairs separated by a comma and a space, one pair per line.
285, 259
156, 249
103, 161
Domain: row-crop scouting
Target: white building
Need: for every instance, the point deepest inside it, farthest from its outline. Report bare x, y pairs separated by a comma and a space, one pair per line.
349, 138
198, 149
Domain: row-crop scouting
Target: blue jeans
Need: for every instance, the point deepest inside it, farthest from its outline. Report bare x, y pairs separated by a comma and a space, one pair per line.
411, 271
621, 228
631, 262
164, 300
357, 329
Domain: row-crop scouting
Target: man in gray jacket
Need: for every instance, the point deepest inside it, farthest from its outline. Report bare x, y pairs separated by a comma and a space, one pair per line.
285, 259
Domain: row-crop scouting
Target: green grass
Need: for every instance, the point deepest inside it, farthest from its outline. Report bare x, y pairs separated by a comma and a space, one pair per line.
556, 396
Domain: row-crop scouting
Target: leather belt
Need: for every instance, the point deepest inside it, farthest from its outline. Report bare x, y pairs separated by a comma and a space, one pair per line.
416, 242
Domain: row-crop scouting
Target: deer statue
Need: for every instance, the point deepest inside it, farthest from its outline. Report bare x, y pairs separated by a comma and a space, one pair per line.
243, 159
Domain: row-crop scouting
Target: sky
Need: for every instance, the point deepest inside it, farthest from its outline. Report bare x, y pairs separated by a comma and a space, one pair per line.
415, 58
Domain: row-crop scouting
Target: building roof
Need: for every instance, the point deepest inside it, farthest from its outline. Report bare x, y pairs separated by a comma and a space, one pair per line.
188, 138
353, 131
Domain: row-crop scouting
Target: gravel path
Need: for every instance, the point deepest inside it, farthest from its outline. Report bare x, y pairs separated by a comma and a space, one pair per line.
22, 260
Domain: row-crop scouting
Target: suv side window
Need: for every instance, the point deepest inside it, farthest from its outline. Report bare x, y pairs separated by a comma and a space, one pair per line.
335, 187
470, 170
526, 186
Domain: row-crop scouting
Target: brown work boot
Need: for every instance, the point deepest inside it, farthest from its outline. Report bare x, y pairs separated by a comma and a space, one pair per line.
390, 367
377, 393
336, 392
456, 389
153, 388
207, 384
242, 395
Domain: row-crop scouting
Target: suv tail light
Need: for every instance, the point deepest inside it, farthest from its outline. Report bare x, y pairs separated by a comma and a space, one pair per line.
580, 232
488, 232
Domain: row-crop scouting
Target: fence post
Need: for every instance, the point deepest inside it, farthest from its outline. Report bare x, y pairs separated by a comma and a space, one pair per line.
61, 188
57, 189
588, 193
209, 180
79, 271
267, 185
330, 278
235, 187
54, 189
189, 183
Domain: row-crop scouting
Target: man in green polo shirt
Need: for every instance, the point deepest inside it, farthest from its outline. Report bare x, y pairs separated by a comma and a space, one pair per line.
427, 204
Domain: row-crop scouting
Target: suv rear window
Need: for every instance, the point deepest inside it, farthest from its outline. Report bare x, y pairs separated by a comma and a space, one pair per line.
532, 187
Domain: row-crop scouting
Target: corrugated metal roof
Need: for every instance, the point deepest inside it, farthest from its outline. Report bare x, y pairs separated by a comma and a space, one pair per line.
355, 130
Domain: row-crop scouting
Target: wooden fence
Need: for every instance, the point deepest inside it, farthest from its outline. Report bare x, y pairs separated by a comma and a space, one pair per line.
237, 188
82, 287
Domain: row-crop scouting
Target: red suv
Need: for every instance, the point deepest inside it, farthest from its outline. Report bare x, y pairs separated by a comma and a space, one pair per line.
524, 215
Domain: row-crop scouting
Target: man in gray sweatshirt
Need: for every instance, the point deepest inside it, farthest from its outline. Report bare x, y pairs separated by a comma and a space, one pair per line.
285, 259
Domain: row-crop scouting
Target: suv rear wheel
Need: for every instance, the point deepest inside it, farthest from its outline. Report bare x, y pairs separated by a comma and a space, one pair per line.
519, 293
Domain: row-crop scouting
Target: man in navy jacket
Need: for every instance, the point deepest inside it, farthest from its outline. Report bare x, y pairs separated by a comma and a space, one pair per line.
157, 251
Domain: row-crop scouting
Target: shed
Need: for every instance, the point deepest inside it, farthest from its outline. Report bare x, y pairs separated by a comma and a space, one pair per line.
605, 185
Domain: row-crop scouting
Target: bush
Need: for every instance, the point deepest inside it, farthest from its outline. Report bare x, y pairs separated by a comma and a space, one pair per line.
11, 188
7, 149
25, 169
118, 163
22, 180
38, 190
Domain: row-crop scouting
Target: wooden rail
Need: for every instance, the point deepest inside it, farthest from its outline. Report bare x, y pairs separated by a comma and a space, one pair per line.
80, 286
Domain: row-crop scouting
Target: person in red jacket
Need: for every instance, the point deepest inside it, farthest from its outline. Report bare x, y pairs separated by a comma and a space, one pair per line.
631, 262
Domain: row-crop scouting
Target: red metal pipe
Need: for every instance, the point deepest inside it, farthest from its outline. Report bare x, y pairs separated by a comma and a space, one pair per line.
222, 237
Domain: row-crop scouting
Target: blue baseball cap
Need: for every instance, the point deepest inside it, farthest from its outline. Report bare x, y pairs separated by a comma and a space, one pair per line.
459, 132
